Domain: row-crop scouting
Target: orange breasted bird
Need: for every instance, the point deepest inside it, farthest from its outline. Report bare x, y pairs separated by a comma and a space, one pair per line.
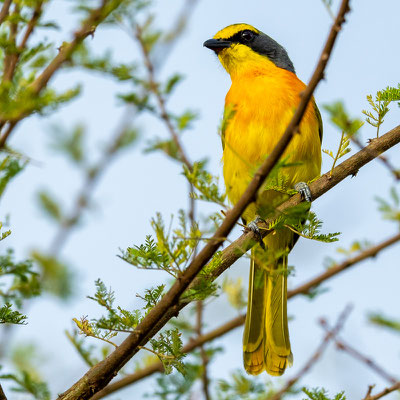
262, 99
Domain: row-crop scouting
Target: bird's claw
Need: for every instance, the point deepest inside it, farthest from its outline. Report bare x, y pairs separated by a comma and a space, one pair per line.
304, 191
253, 226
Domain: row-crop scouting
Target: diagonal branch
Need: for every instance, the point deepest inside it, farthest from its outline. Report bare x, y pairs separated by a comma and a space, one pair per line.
368, 253
2, 395
88, 28
350, 167
239, 320
383, 393
14, 57
91, 180
158, 367
4, 10
99, 375
347, 348
203, 354
231, 254
154, 88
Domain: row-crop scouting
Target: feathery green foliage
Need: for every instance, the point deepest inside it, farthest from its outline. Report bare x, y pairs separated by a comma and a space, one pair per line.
348, 127
243, 387
380, 106
170, 250
177, 386
303, 222
9, 168
26, 383
342, 150
341, 119
321, 394
10, 316
24, 284
390, 208
206, 184
168, 347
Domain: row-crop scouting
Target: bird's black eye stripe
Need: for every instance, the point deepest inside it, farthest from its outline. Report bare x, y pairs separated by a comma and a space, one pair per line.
244, 37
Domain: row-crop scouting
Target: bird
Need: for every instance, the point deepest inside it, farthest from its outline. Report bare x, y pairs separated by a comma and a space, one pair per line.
263, 96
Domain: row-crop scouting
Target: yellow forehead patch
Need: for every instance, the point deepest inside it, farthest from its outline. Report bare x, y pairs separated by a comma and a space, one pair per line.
231, 30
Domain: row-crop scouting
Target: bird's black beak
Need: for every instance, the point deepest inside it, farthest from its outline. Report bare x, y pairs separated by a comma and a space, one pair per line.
217, 44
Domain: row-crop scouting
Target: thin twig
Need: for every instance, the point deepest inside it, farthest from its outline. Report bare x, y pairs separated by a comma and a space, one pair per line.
154, 87
178, 26
12, 37
343, 346
4, 10
88, 28
394, 171
314, 358
91, 180
14, 57
2, 395
383, 393
367, 253
203, 354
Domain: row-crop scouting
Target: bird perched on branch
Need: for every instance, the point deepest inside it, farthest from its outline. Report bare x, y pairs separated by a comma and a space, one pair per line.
262, 99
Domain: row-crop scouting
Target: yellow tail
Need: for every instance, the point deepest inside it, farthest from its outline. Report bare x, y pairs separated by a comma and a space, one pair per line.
266, 344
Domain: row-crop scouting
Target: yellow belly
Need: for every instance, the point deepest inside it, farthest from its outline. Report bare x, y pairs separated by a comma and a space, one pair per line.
263, 107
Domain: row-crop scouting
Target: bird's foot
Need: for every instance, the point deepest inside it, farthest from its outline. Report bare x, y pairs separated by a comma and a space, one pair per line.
252, 226
304, 191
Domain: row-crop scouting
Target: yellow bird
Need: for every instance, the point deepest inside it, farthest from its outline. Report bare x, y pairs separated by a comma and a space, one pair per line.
262, 99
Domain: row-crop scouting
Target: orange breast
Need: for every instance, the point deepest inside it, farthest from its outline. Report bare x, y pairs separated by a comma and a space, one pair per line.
263, 105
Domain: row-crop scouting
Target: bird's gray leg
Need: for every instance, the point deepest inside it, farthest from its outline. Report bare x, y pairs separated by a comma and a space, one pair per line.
304, 191
256, 230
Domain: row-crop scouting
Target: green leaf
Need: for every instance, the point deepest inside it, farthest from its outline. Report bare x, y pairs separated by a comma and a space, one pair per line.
10, 316
50, 206
26, 383
172, 82
321, 394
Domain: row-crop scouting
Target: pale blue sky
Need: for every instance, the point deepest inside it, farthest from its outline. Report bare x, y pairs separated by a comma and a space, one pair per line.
365, 59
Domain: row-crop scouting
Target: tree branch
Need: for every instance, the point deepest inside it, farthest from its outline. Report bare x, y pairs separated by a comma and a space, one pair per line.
395, 172
383, 393
368, 253
91, 180
234, 251
14, 57
158, 367
4, 10
88, 27
239, 320
350, 167
99, 375
2, 395
343, 346
203, 354
154, 88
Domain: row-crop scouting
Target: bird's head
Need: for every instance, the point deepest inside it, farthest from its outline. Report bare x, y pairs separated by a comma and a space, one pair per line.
241, 47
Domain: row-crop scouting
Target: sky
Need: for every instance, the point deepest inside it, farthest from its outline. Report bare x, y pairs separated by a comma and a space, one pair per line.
365, 59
